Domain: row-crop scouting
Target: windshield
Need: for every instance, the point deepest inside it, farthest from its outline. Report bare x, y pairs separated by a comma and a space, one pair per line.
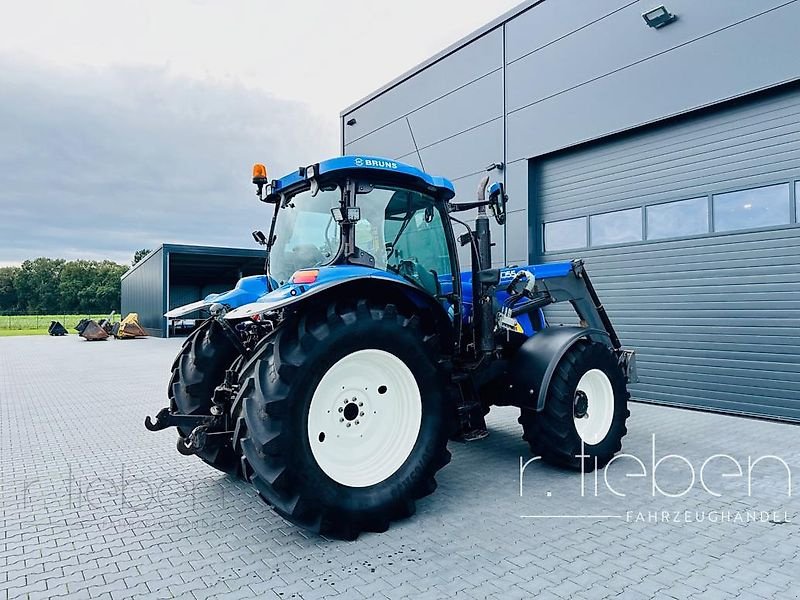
403, 231
306, 235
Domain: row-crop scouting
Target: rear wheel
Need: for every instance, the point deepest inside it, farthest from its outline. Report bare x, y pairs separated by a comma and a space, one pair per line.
198, 369
585, 410
345, 415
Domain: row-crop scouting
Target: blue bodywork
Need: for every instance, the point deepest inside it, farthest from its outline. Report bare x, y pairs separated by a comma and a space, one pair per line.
545, 271
441, 187
251, 295
247, 289
254, 300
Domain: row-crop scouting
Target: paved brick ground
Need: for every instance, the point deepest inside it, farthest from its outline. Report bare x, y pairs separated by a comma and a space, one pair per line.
95, 506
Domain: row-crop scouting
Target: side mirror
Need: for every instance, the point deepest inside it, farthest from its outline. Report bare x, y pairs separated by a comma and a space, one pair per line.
497, 202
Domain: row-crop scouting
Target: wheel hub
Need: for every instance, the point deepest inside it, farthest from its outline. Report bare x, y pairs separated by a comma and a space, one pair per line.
593, 409
351, 411
581, 404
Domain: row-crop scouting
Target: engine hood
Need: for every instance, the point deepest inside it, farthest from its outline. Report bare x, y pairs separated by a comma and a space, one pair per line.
247, 290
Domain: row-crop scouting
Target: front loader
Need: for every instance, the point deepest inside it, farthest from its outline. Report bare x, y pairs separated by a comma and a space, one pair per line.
334, 382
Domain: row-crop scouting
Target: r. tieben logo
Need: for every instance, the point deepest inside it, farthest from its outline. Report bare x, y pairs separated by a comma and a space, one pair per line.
683, 473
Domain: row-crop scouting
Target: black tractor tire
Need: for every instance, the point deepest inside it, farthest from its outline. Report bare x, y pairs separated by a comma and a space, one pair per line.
282, 384
198, 369
553, 433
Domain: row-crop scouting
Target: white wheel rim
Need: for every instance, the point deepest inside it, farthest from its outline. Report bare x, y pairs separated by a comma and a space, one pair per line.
364, 418
594, 426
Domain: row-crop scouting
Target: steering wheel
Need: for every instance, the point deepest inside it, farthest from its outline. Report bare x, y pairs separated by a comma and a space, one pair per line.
411, 269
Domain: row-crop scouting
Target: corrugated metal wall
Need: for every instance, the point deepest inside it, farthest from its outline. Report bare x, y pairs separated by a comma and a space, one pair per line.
715, 317
143, 292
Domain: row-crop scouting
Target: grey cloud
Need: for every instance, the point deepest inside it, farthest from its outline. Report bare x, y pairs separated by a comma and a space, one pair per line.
98, 163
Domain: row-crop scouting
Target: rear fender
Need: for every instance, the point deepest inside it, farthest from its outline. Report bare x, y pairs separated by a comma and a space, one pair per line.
532, 367
370, 285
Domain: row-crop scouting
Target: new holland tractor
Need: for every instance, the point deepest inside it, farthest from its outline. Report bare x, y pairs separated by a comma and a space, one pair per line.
333, 382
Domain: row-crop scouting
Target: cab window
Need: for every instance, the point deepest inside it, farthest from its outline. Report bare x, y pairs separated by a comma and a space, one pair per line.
403, 230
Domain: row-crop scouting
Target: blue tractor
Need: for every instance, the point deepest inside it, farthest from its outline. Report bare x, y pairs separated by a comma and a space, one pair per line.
333, 382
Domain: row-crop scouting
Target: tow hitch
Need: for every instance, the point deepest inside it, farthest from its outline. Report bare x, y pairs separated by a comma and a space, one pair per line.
165, 418
202, 426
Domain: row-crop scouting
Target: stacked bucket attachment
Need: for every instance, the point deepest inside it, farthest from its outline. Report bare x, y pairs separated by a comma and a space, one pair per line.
129, 328
56, 329
91, 330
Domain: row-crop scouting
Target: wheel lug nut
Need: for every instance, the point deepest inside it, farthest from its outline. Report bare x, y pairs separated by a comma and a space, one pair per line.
348, 424
341, 419
356, 422
362, 414
360, 403
341, 409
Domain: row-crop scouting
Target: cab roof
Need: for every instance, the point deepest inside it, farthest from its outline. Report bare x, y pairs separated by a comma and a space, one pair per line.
370, 168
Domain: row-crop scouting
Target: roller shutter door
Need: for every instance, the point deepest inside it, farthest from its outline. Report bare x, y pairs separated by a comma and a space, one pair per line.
712, 307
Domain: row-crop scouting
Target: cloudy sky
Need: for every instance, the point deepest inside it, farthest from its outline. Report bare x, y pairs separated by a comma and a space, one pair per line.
128, 124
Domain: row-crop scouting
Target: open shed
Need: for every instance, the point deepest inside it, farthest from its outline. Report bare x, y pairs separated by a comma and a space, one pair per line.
176, 274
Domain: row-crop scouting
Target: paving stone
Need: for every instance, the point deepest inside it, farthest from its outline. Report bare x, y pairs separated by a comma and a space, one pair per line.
181, 529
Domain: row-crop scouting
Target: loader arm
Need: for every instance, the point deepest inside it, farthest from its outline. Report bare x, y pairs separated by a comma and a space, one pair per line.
532, 367
576, 287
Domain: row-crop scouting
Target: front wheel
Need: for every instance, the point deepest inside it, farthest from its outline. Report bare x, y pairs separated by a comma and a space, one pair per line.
346, 421
583, 420
198, 369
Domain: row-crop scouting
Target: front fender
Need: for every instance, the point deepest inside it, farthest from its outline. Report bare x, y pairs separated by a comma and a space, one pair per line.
247, 290
187, 308
532, 367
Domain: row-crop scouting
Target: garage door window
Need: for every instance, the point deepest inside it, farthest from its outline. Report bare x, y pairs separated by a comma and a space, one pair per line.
748, 209
616, 227
677, 219
565, 235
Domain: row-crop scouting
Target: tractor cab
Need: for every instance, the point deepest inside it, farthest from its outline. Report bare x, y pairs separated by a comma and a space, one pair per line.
362, 211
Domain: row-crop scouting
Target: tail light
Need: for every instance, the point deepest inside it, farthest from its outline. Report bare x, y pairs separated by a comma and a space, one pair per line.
305, 276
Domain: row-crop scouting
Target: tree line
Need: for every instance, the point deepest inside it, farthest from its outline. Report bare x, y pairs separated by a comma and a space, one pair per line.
57, 286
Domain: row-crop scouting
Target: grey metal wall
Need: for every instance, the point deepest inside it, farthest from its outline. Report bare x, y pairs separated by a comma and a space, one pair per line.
553, 73
143, 292
448, 119
715, 317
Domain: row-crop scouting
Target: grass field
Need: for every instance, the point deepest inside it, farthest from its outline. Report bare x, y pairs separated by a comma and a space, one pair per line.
12, 332
38, 324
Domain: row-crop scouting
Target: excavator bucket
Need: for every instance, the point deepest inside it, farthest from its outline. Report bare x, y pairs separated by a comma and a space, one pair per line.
81, 325
92, 332
129, 328
56, 329
107, 326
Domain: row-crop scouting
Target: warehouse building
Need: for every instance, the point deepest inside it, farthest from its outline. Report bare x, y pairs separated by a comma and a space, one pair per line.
175, 274
660, 144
